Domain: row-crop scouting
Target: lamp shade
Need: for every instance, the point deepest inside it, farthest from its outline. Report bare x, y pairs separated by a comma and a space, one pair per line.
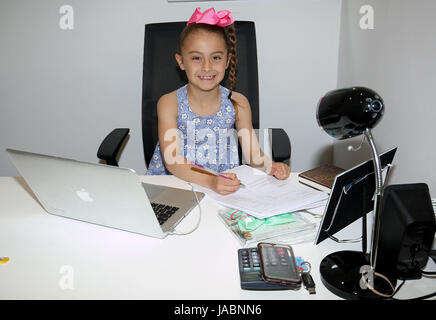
346, 113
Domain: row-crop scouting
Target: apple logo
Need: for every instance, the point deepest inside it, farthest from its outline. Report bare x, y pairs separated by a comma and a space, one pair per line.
84, 195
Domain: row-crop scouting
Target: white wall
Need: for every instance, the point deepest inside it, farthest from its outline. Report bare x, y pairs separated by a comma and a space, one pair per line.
62, 91
397, 59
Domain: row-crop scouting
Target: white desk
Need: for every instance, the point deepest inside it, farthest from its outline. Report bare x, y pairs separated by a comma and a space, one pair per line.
57, 258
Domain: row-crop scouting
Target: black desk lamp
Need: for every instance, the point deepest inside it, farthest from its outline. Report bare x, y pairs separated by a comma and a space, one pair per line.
343, 114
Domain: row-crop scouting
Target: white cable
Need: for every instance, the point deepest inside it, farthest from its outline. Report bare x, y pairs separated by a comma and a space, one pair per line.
370, 287
198, 221
356, 240
352, 148
315, 215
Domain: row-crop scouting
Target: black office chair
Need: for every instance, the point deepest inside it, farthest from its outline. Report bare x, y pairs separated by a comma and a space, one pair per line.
161, 75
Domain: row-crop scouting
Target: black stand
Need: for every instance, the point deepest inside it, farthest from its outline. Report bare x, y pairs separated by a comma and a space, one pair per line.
364, 224
341, 273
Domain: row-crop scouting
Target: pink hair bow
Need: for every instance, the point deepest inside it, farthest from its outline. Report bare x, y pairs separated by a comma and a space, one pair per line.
221, 18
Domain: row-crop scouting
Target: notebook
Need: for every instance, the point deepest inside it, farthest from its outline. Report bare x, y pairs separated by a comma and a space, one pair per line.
102, 194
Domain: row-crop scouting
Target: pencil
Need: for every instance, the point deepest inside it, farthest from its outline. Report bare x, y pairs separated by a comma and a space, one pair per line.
213, 172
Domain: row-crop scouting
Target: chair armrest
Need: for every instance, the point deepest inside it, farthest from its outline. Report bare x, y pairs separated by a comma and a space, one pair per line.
111, 145
280, 145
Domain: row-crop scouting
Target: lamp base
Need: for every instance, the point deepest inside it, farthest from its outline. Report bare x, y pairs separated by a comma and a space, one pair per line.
341, 274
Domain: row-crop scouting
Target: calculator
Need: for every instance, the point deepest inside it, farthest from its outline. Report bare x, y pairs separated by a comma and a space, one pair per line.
250, 271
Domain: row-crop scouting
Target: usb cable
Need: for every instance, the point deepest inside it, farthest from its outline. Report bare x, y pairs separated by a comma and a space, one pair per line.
198, 221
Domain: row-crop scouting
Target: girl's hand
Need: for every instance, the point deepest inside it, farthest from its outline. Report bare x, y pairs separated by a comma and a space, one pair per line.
225, 186
280, 170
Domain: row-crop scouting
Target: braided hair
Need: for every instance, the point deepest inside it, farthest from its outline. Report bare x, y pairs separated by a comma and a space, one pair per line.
231, 45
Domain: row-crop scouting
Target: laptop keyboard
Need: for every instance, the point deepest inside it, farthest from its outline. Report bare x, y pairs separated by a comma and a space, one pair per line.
163, 212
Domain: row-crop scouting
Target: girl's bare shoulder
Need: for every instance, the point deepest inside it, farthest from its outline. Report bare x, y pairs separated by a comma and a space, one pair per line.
240, 99
242, 104
168, 103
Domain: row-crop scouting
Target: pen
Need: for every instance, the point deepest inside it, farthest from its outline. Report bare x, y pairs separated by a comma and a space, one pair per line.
213, 172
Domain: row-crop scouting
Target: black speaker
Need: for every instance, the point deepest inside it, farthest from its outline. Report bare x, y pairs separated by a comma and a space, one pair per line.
407, 230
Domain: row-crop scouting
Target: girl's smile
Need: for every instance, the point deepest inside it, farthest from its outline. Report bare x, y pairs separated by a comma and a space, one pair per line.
206, 77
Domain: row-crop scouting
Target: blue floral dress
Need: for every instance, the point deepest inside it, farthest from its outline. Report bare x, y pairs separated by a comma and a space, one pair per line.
210, 141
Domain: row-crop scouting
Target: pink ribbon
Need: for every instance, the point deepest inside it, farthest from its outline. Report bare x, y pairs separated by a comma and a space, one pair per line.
240, 216
221, 18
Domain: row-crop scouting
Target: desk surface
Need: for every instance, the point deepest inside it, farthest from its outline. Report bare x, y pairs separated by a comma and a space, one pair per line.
57, 258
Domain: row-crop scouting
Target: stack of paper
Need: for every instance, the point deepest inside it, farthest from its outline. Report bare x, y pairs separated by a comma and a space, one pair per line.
265, 196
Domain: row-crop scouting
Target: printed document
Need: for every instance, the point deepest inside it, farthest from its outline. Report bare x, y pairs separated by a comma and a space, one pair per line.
265, 196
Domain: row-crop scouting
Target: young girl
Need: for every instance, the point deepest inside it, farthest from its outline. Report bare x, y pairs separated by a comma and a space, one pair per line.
196, 122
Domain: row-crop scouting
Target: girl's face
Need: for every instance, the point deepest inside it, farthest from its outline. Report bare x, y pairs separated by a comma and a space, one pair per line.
204, 58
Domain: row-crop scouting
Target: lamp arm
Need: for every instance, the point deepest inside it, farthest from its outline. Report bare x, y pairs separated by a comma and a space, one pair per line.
378, 196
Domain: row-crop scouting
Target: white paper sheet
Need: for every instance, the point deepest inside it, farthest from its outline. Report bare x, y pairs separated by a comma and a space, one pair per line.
264, 195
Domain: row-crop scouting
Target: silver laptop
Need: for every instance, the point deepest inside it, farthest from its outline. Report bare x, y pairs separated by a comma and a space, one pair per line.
102, 194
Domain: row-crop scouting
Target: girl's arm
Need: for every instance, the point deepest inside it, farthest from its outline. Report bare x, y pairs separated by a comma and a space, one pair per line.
172, 156
250, 144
